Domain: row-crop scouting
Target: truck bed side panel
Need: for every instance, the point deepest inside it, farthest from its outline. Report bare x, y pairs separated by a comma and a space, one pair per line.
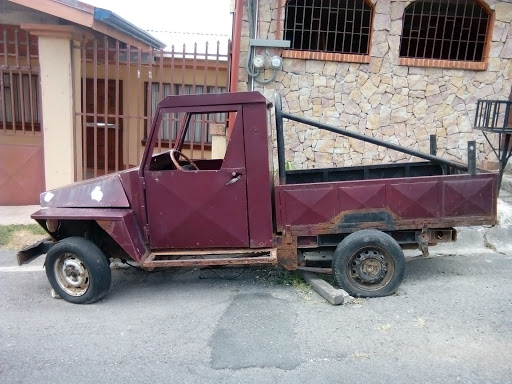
387, 204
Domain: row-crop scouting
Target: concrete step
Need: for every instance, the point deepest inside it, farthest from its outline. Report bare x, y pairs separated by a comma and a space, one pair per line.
506, 184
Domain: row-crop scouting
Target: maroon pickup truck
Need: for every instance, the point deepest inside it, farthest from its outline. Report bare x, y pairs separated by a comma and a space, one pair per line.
173, 211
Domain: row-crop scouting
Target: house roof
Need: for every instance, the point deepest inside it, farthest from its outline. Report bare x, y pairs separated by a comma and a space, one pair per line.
98, 19
116, 21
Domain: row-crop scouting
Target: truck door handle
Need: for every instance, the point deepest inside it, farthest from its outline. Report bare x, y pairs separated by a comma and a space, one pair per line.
235, 178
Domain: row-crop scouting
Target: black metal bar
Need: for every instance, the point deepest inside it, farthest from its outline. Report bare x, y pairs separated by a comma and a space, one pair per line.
490, 144
371, 140
495, 114
505, 156
433, 145
280, 138
472, 157
478, 112
487, 114
507, 115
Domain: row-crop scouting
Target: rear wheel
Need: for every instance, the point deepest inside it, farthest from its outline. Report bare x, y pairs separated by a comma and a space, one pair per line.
369, 263
78, 270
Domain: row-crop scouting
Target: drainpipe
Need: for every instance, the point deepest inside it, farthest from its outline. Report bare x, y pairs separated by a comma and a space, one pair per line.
252, 5
235, 49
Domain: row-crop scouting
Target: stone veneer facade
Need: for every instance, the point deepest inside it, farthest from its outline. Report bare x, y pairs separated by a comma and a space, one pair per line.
400, 104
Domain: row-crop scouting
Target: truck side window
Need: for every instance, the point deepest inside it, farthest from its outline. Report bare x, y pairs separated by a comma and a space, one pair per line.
199, 136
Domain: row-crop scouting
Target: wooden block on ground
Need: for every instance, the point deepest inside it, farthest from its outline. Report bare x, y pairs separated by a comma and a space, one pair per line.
326, 290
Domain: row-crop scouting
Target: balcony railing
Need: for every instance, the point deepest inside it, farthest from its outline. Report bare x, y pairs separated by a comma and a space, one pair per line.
494, 116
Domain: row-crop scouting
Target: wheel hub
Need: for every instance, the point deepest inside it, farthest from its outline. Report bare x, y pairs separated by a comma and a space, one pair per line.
72, 275
369, 267
74, 272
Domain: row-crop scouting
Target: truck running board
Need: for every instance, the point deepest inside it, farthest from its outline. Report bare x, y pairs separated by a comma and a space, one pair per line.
221, 257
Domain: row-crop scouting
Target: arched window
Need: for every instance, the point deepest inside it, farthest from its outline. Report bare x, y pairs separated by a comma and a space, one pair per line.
338, 26
445, 30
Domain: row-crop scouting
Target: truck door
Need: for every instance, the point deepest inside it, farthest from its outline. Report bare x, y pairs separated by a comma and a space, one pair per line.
192, 208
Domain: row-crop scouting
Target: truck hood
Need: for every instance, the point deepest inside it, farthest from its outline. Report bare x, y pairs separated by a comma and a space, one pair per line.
101, 192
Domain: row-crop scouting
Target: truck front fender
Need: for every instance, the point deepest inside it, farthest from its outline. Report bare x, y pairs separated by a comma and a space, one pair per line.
120, 224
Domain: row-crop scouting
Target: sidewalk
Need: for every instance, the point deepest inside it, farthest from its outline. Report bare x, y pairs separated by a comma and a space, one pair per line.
17, 214
483, 239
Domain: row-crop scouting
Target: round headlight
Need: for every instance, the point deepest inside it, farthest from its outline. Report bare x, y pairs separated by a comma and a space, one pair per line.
52, 225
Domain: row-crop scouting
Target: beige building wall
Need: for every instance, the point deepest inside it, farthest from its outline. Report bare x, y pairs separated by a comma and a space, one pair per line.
383, 99
57, 110
77, 96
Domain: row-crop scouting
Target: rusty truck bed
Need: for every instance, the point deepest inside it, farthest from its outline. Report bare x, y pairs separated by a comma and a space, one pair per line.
387, 197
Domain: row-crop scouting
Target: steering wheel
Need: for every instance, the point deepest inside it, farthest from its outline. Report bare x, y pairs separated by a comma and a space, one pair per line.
174, 160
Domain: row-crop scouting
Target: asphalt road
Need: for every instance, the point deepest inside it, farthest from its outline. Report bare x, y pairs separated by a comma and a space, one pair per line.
451, 321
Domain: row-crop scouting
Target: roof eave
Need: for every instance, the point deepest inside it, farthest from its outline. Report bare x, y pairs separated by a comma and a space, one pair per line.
115, 21
85, 15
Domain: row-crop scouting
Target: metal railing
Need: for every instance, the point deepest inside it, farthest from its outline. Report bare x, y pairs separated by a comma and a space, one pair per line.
494, 116
280, 115
120, 88
20, 101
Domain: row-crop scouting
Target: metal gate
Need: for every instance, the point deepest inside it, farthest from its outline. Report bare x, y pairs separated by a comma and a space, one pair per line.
121, 86
21, 141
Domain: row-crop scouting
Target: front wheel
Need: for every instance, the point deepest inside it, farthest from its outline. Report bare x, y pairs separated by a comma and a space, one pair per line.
78, 270
369, 263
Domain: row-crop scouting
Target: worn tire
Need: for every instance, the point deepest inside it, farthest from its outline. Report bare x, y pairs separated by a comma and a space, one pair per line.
369, 263
78, 270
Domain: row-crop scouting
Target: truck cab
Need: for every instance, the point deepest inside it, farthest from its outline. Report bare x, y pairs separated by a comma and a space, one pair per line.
210, 203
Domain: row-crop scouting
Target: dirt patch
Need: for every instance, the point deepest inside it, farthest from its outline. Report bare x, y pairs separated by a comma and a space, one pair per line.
18, 237
22, 239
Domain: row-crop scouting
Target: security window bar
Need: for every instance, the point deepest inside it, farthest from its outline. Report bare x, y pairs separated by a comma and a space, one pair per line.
339, 26
19, 101
445, 30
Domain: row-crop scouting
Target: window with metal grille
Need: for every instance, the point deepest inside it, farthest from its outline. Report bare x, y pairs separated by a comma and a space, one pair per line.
445, 30
19, 101
339, 26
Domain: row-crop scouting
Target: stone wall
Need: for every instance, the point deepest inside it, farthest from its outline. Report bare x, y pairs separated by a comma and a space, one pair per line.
400, 104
